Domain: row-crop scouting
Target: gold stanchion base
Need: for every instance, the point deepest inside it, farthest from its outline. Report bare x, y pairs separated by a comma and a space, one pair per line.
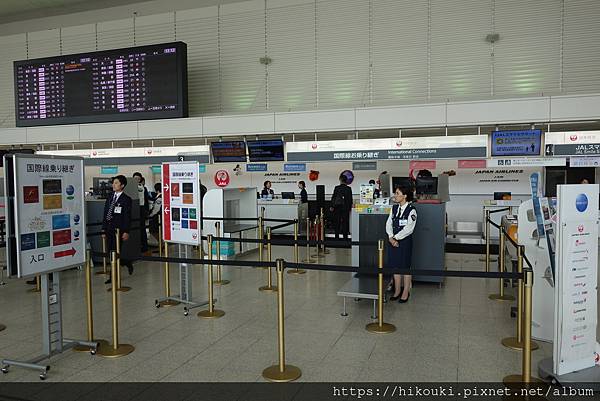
290, 373
2, 327
498, 297
206, 314
168, 302
221, 282
110, 352
85, 348
513, 343
326, 252
102, 273
122, 289
383, 329
296, 271
518, 380
268, 288
34, 290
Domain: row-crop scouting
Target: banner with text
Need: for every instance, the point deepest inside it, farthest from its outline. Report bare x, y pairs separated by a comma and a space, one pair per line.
572, 143
181, 203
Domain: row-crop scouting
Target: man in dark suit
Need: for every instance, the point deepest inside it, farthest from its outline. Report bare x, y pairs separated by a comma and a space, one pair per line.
117, 215
341, 206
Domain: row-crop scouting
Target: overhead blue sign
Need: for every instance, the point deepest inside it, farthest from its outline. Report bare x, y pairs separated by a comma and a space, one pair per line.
109, 170
295, 167
255, 167
517, 143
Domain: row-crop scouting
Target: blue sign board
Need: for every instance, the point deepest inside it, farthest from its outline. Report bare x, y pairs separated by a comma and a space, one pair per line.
156, 169
256, 167
109, 170
294, 167
517, 143
202, 168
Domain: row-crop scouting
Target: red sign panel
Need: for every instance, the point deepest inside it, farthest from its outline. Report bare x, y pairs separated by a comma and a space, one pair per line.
422, 165
166, 196
481, 163
61, 237
174, 190
31, 194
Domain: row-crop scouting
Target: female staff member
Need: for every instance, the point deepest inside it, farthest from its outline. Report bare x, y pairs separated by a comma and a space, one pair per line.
303, 193
156, 212
399, 227
267, 191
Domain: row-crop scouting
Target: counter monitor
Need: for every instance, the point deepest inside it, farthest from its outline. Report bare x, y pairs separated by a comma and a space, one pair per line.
229, 151
427, 185
135, 83
262, 151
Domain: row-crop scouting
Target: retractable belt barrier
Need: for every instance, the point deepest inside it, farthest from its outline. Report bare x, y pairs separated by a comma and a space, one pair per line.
506, 209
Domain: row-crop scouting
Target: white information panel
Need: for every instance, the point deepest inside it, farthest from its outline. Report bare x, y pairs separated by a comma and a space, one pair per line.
576, 278
181, 202
49, 213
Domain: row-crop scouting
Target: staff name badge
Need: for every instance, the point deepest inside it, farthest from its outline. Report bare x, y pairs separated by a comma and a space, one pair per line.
118, 209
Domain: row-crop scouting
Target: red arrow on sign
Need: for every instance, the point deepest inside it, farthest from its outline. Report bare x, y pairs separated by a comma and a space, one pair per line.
68, 252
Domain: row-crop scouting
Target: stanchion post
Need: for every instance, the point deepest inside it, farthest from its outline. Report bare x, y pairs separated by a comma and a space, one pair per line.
219, 280
296, 251
269, 287
262, 222
116, 350
90, 308
38, 285
211, 312
501, 296
487, 240
308, 259
517, 341
525, 376
104, 264
160, 241
281, 372
261, 238
317, 236
325, 250
167, 301
380, 327
117, 282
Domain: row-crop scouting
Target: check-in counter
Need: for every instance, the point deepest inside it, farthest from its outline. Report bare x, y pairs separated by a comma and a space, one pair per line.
284, 209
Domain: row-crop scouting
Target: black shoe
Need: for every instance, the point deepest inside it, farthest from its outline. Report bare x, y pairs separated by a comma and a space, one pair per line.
130, 269
392, 298
403, 301
107, 281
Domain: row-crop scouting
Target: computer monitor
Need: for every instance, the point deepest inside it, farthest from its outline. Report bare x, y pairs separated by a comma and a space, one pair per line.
427, 185
502, 196
401, 182
288, 195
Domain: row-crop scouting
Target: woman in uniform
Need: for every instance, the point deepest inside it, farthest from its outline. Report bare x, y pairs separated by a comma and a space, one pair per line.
399, 227
267, 191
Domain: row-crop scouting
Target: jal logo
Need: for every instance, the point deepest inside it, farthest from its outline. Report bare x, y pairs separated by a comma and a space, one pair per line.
314, 146
580, 228
581, 203
195, 236
94, 153
149, 151
573, 138
398, 144
222, 178
579, 242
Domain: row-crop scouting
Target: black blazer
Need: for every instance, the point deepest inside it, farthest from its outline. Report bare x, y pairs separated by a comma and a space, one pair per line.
267, 192
122, 220
345, 192
303, 196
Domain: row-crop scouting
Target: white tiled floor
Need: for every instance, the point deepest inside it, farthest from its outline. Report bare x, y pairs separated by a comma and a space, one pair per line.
451, 333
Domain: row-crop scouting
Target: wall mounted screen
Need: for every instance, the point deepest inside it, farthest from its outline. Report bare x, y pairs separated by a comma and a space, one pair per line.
135, 83
262, 151
231, 151
517, 143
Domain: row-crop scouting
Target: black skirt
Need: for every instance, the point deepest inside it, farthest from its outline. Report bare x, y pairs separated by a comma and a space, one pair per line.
400, 257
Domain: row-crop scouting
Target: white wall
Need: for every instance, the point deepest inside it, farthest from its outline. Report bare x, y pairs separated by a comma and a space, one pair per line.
332, 54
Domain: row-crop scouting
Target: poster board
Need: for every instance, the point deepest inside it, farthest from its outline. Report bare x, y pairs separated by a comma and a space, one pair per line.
46, 215
576, 278
181, 202
367, 192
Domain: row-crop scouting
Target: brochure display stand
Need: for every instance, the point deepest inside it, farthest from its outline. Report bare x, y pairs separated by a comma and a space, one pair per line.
45, 235
181, 224
576, 279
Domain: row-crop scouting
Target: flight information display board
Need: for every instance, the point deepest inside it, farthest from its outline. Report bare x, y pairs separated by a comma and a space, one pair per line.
517, 143
135, 83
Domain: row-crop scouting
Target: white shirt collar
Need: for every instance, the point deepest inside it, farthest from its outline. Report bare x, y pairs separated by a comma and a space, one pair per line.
117, 195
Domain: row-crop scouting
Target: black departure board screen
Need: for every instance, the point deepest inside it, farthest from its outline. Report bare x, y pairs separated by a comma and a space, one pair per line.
135, 83
261, 151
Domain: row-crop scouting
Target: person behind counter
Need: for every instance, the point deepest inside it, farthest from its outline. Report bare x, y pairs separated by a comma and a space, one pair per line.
303, 193
399, 227
341, 206
155, 213
117, 215
267, 191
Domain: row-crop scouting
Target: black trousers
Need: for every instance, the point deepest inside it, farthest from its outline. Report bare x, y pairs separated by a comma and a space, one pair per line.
111, 244
143, 235
341, 223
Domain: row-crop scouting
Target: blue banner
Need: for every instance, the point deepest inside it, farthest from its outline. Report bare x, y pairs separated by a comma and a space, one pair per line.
294, 167
109, 170
156, 169
256, 167
202, 168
